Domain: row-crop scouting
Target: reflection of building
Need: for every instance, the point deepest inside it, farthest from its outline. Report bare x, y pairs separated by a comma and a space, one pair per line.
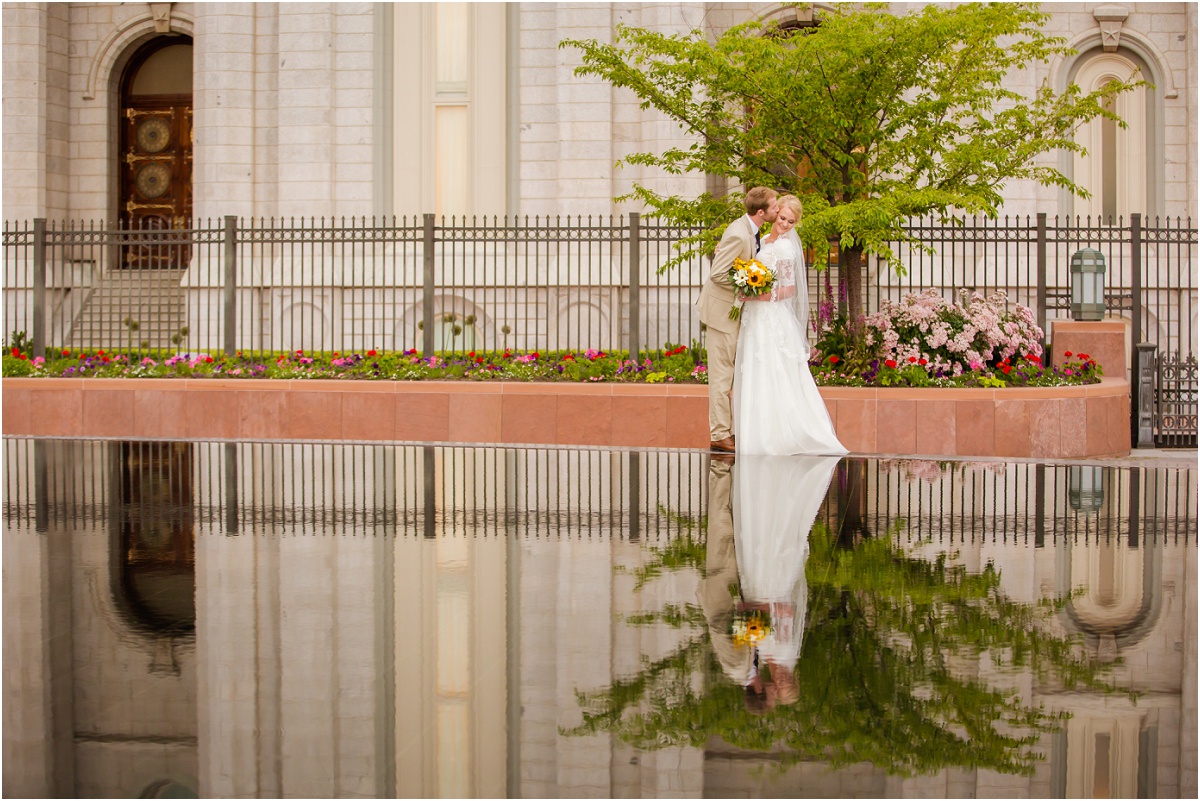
338, 650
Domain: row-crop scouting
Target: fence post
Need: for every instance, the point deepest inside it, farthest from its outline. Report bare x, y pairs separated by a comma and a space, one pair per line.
1135, 280
635, 285
39, 287
232, 495
427, 288
230, 293
1041, 274
1142, 403
1141, 396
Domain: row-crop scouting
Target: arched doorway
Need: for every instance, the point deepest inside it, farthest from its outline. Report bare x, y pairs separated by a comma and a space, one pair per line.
156, 146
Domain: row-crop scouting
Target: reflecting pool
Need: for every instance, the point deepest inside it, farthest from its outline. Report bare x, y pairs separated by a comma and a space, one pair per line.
323, 620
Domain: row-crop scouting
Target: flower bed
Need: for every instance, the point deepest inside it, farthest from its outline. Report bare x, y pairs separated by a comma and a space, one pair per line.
679, 365
921, 342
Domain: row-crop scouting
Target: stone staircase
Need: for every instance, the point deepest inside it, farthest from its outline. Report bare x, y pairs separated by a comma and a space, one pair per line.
131, 308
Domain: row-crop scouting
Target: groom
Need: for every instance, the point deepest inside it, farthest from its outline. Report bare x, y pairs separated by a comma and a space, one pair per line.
740, 241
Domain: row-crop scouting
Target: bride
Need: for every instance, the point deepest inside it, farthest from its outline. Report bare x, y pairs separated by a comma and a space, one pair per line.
776, 406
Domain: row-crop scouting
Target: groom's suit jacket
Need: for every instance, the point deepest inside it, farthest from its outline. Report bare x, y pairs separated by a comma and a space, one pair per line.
717, 296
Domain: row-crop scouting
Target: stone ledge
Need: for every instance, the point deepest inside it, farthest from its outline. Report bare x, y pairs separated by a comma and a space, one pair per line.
1068, 422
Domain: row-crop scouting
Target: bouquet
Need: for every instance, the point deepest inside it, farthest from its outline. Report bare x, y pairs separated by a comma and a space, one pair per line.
749, 277
750, 626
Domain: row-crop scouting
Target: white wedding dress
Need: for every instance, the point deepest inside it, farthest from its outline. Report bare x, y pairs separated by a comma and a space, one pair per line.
777, 409
775, 502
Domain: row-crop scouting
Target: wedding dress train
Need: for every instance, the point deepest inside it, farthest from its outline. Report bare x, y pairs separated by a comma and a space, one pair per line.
775, 502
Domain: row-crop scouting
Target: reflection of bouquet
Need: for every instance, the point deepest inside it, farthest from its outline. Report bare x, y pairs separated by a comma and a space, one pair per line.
750, 626
749, 277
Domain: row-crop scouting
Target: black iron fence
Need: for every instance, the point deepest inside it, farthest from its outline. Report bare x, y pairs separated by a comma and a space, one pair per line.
528, 284
437, 285
351, 285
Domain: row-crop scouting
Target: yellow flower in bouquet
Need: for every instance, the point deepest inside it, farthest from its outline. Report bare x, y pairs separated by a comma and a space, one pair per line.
750, 627
749, 277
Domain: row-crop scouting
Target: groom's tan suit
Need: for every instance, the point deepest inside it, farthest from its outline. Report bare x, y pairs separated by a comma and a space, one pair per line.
716, 299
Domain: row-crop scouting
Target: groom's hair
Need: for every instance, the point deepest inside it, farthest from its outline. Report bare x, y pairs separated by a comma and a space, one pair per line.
758, 199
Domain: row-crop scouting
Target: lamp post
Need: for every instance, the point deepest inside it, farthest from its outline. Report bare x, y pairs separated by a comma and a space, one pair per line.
1087, 285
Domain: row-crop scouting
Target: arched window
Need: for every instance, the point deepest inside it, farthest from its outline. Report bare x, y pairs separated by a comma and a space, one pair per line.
1116, 167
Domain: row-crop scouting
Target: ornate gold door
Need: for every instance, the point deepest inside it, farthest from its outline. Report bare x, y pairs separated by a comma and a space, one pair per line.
156, 151
157, 177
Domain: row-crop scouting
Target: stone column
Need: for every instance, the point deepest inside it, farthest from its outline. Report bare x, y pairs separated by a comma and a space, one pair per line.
35, 110
233, 109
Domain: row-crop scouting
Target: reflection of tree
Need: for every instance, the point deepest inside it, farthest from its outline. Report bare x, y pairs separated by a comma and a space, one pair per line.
886, 675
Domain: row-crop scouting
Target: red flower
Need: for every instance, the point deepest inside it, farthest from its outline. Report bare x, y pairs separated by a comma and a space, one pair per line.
479, 360
471, 355
834, 360
890, 363
923, 362
99, 353
335, 354
1085, 357
66, 352
16, 352
299, 353
1006, 369
209, 360
1068, 354
1033, 358
568, 357
912, 359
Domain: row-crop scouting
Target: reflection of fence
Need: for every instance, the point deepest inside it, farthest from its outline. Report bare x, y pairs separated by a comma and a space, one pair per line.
327, 489
545, 283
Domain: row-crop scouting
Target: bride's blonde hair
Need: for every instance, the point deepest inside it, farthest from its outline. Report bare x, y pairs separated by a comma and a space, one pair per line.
793, 203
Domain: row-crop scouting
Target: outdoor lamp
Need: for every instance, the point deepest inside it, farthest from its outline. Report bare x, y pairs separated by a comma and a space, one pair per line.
1087, 285
1085, 489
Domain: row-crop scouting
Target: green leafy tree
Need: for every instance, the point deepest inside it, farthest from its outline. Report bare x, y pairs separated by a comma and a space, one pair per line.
869, 117
885, 675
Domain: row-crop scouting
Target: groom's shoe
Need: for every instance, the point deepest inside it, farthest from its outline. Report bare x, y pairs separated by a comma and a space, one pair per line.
722, 445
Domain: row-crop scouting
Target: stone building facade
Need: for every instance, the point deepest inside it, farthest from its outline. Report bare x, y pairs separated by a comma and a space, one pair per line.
338, 109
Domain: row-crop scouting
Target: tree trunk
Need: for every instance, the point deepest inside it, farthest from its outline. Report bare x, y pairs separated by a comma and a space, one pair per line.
850, 265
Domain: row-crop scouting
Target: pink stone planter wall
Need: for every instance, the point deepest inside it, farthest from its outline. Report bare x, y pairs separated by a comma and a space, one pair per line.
1051, 423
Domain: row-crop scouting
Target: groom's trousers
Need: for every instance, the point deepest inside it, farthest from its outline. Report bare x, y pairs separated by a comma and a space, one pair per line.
722, 348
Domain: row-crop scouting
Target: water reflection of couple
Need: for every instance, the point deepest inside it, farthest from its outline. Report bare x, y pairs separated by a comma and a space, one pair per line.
761, 510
